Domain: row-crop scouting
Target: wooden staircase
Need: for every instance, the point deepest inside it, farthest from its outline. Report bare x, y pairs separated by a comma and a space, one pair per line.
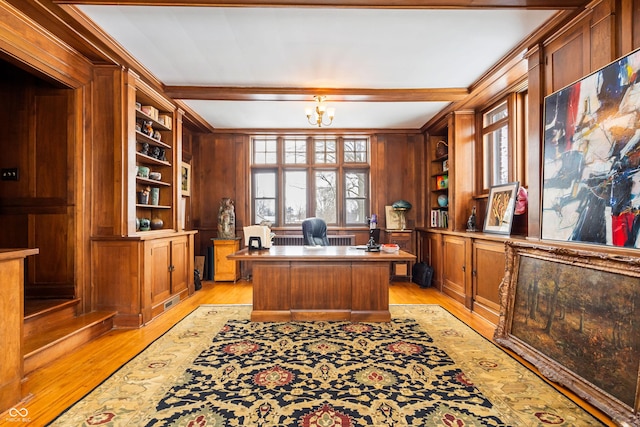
52, 329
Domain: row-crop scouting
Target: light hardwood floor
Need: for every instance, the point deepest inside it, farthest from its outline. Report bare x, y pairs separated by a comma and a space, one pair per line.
55, 387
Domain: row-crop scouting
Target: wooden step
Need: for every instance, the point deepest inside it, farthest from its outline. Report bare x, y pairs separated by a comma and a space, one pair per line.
44, 346
42, 315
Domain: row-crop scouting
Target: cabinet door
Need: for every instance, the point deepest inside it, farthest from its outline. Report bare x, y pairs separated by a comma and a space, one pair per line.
455, 259
225, 270
488, 271
179, 265
160, 276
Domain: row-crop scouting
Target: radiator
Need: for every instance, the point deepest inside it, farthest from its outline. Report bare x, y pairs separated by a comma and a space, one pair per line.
334, 240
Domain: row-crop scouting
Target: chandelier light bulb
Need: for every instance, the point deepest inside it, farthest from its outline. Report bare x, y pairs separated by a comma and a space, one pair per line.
315, 116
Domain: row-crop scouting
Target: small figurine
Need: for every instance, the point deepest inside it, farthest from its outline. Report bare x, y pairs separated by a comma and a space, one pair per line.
471, 222
145, 149
147, 128
155, 153
226, 219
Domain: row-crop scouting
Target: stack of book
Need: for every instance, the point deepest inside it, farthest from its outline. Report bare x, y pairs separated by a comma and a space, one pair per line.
439, 218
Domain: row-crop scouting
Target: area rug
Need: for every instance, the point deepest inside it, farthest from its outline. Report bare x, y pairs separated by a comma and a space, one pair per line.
424, 368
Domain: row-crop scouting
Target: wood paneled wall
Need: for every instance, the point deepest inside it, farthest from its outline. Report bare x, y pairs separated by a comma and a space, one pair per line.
37, 210
221, 165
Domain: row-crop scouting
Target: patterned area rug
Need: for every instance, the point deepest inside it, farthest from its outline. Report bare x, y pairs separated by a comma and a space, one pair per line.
424, 368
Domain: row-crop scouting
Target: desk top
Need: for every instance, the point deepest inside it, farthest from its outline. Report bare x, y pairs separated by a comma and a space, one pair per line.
318, 253
7, 253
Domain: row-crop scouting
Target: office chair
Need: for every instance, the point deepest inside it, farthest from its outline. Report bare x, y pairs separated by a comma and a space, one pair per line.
314, 232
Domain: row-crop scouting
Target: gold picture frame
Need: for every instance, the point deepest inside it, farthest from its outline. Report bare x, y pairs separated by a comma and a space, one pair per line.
572, 314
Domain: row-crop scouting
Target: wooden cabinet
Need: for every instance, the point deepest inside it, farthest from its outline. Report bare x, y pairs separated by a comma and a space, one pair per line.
141, 278
487, 273
135, 272
468, 267
225, 270
456, 253
405, 240
12, 311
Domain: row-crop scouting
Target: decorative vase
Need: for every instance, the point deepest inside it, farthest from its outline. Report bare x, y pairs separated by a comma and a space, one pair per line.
143, 197
145, 224
137, 224
443, 200
156, 224
155, 196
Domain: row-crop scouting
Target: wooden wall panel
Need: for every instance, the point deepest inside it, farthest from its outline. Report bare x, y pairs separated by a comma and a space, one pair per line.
52, 269
50, 135
603, 38
105, 153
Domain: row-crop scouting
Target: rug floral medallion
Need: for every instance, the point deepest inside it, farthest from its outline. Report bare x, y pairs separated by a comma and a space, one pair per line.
424, 368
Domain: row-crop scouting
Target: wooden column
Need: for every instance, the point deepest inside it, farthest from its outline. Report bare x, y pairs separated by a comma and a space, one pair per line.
12, 315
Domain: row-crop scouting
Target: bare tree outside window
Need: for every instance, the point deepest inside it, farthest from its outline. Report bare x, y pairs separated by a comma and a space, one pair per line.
294, 178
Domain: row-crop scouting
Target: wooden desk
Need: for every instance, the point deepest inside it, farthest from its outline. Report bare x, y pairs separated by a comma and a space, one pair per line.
326, 283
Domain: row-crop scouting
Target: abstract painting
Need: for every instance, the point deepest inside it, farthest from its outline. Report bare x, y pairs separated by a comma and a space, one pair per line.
591, 185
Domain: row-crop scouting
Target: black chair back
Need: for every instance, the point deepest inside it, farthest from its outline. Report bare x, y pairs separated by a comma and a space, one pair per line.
314, 232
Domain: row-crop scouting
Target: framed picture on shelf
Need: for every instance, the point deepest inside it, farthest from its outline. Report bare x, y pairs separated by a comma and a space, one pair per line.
393, 218
500, 207
185, 173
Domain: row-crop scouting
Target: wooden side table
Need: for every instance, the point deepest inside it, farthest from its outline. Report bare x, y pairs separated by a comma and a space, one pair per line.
404, 239
225, 270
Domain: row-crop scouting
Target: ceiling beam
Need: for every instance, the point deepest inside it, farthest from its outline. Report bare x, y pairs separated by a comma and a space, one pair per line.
236, 93
368, 4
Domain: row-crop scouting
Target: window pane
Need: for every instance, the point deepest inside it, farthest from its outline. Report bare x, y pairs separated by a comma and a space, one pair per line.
264, 185
325, 151
355, 197
295, 151
355, 211
355, 150
496, 157
495, 115
265, 151
326, 196
295, 196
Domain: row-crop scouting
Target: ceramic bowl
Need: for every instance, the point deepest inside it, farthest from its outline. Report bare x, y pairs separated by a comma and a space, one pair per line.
143, 171
390, 247
155, 176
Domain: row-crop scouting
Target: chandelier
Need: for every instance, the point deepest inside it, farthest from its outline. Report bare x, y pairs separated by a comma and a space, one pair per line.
317, 117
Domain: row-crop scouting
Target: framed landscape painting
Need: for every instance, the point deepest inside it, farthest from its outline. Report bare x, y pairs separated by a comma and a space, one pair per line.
591, 184
575, 315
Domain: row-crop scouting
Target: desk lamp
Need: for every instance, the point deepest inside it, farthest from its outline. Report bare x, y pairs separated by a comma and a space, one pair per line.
402, 206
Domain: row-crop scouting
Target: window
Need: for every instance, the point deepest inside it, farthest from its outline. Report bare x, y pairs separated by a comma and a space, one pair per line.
495, 146
502, 142
294, 178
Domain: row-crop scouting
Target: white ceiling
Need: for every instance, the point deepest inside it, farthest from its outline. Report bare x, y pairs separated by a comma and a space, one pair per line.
316, 48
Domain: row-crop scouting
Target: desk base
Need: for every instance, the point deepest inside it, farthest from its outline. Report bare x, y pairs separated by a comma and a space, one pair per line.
321, 291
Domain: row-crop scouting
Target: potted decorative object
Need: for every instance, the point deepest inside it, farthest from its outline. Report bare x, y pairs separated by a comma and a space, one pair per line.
145, 224
156, 224
442, 149
143, 196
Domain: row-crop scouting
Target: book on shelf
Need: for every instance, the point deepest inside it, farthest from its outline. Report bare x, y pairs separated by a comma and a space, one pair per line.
439, 218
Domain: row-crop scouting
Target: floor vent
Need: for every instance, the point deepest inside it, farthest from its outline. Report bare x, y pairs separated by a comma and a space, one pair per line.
173, 301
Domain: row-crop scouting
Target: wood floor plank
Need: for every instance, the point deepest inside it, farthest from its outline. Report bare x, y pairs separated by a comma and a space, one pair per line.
53, 388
